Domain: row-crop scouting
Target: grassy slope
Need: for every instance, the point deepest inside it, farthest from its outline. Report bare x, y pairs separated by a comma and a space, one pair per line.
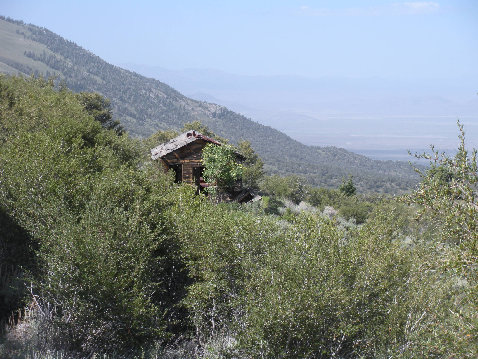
145, 105
14, 44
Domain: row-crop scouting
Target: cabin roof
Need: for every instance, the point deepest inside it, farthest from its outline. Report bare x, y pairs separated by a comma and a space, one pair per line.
180, 141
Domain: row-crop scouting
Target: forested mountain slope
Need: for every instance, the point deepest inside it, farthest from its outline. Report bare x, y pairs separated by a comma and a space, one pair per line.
144, 105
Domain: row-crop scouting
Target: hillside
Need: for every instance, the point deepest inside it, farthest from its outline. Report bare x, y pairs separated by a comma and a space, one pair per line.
144, 105
102, 256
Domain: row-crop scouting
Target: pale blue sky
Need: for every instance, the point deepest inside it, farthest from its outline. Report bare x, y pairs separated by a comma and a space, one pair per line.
391, 39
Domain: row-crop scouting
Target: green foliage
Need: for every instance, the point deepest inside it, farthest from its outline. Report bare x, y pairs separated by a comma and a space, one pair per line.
357, 210
220, 167
292, 188
448, 193
348, 187
321, 197
109, 276
271, 205
99, 273
100, 108
122, 261
317, 313
356, 207
447, 197
424, 311
252, 166
308, 289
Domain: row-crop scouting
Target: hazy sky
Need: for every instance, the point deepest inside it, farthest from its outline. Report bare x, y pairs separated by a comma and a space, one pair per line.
393, 39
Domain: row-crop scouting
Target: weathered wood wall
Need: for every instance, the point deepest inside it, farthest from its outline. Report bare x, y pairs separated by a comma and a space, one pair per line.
189, 157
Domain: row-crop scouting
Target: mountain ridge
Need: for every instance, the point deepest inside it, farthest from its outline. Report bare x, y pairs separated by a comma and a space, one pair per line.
144, 105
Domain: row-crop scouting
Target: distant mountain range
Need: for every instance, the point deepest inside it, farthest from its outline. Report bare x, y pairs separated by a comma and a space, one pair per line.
144, 105
383, 117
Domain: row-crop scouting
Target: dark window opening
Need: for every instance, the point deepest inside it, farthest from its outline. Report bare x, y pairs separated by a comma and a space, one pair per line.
198, 178
178, 172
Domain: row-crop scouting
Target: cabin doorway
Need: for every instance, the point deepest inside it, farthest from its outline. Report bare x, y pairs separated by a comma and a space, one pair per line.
198, 179
178, 172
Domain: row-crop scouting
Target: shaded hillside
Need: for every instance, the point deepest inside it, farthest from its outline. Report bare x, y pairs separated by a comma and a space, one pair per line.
145, 105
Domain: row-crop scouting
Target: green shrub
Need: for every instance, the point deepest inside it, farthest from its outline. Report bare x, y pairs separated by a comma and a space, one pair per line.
318, 295
355, 210
271, 205
292, 188
109, 275
447, 202
448, 194
348, 187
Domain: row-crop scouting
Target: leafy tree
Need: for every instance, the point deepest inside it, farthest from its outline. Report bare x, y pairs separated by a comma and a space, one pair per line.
348, 187
252, 166
448, 192
357, 210
271, 205
447, 197
221, 167
100, 108
321, 197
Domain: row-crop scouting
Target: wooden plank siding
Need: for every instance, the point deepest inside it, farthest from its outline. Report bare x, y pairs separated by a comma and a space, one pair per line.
189, 157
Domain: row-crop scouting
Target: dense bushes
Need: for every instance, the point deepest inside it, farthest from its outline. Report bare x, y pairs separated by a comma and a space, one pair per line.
308, 289
448, 193
121, 260
292, 188
277, 191
107, 266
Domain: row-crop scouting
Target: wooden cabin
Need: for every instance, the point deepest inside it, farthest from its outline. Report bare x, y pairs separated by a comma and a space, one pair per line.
183, 155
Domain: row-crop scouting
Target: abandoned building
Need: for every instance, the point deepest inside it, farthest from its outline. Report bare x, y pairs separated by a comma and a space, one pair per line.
183, 155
